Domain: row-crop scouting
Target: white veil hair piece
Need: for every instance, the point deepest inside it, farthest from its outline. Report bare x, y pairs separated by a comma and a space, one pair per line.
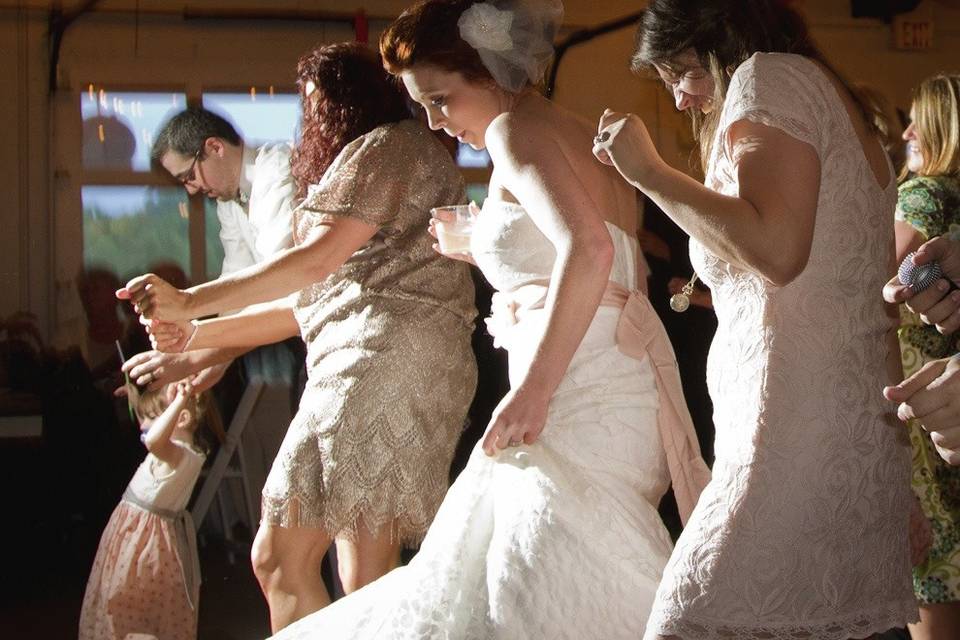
513, 37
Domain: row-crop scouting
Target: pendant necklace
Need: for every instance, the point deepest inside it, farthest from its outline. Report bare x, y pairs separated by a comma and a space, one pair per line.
680, 302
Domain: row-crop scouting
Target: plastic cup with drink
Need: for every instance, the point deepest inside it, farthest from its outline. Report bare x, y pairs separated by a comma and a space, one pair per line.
454, 223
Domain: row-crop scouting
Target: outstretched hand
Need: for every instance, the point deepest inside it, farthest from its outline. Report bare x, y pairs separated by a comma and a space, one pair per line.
155, 298
169, 337
932, 396
154, 369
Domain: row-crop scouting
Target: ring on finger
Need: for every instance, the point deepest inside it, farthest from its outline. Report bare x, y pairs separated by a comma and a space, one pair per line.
515, 443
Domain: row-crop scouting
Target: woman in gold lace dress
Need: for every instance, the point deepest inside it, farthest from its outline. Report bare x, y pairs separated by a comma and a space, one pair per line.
387, 323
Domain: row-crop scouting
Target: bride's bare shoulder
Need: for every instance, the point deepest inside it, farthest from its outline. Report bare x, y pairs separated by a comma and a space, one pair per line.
518, 137
532, 132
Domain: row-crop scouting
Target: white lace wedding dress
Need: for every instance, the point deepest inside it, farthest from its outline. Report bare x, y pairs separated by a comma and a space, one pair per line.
558, 539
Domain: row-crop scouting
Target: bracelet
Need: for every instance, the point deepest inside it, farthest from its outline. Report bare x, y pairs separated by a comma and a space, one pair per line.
196, 329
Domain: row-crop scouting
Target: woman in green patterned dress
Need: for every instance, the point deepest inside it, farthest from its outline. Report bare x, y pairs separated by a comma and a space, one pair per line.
928, 205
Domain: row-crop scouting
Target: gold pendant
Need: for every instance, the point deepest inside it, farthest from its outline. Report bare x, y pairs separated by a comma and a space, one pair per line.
680, 302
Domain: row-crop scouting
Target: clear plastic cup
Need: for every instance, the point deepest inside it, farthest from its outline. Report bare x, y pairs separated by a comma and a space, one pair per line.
454, 225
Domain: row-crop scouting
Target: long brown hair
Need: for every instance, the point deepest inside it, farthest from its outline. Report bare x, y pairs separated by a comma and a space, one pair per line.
936, 117
723, 34
354, 95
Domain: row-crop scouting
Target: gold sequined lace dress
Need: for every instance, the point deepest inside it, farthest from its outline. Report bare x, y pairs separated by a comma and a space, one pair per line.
390, 368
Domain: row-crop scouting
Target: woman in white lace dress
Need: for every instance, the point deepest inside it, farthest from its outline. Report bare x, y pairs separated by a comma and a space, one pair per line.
802, 532
552, 529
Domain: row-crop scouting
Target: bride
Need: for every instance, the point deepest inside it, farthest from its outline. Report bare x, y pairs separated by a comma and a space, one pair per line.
552, 529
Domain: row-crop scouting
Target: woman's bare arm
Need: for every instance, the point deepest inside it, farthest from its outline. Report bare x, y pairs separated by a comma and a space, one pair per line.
766, 229
332, 243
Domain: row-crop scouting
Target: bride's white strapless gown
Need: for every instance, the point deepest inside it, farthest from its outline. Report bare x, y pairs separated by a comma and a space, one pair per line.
558, 539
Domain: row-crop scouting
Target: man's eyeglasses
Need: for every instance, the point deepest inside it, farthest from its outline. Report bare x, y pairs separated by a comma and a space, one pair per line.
191, 172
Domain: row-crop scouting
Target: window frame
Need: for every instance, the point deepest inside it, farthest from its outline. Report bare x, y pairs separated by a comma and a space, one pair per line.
196, 224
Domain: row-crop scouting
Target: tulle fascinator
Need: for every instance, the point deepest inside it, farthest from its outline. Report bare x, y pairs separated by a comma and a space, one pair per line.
513, 37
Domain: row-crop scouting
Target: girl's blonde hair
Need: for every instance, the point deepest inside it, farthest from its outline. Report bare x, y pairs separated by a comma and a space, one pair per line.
936, 116
148, 404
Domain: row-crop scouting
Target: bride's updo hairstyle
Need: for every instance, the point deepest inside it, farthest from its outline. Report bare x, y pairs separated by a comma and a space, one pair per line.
506, 42
427, 34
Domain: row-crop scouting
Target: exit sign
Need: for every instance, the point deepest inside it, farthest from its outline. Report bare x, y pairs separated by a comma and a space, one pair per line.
912, 33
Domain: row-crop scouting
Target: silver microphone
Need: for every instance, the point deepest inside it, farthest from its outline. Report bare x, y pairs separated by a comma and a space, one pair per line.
918, 277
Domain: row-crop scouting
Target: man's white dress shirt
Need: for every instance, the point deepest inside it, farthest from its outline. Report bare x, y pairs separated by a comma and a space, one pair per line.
259, 223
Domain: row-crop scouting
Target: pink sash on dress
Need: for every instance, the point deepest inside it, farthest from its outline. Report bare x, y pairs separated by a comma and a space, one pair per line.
639, 334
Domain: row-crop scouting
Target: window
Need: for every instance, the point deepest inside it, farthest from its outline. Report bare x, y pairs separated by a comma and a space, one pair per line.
135, 218
131, 219
258, 117
118, 128
131, 230
468, 157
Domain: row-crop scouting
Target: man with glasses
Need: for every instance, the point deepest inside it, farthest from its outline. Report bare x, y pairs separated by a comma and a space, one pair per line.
253, 186
254, 192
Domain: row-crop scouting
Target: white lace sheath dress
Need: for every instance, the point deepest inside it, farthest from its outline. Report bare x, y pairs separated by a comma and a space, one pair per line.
802, 532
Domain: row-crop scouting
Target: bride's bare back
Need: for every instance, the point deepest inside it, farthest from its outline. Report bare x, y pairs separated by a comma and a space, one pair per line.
611, 198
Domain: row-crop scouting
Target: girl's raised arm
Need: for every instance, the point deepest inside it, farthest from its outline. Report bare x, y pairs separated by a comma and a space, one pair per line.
157, 436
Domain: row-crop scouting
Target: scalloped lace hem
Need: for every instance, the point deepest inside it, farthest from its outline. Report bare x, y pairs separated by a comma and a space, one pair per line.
860, 625
291, 512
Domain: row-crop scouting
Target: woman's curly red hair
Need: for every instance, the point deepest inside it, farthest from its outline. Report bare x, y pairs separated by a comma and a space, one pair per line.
353, 96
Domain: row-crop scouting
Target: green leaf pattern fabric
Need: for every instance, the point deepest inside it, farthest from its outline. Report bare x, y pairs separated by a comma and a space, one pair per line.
931, 205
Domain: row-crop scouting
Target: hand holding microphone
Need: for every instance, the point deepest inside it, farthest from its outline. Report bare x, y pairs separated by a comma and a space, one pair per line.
918, 277
925, 282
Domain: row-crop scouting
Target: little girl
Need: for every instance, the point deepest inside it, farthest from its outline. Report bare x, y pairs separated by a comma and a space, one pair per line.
146, 576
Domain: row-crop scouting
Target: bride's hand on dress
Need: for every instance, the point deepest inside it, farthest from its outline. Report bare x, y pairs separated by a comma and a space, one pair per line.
624, 143
518, 419
444, 216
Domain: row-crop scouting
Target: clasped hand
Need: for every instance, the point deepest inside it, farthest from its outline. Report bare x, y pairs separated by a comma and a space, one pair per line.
154, 298
164, 311
624, 143
155, 369
169, 337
